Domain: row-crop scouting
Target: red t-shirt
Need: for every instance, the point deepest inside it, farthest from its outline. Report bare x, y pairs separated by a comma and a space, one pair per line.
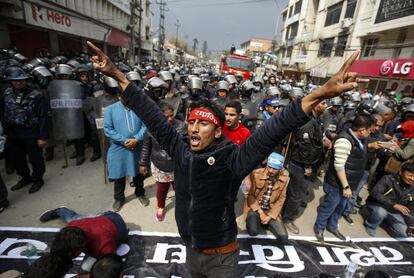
238, 135
100, 235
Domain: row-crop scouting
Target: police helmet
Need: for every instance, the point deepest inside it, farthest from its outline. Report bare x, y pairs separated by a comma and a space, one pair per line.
231, 79
59, 60
16, 73
196, 71
366, 107
349, 105
296, 92
239, 75
356, 97
19, 57
110, 82
258, 79
336, 101
82, 68
273, 91
392, 93
195, 83
156, 82
247, 86
165, 75
173, 71
41, 72
32, 64
73, 63
205, 77
133, 76
381, 107
223, 85
63, 69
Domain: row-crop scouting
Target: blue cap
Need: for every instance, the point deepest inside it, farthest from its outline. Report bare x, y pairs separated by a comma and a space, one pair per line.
273, 102
276, 161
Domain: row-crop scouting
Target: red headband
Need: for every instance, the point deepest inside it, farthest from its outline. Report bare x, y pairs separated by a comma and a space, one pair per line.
204, 115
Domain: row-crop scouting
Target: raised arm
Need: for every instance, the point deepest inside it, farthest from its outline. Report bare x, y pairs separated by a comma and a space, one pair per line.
262, 142
145, 108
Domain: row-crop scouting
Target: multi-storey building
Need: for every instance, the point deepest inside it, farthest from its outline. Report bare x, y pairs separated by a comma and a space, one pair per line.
319, 35
64, 26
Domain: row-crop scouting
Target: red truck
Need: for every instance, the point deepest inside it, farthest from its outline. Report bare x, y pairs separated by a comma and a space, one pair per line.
235, 63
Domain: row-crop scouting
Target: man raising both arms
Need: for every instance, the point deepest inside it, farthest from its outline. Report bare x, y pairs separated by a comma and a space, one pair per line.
205, 218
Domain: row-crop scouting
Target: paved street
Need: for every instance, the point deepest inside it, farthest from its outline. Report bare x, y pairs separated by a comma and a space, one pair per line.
82, 188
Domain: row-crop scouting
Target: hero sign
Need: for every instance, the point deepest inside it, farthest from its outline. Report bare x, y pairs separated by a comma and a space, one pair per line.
388, 67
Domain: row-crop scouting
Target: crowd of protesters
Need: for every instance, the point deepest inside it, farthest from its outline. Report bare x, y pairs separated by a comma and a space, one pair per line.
208, 135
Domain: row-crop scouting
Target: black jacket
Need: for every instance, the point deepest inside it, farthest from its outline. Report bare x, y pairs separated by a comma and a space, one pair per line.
390, 191
151, 150
307, 147
207, 182
354, 166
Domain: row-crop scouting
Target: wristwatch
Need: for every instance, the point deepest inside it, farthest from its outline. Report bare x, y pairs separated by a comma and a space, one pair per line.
346, 187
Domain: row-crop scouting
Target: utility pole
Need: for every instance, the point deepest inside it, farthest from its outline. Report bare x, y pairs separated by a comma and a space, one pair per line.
139, 30
178, 25
132, 31
161, 34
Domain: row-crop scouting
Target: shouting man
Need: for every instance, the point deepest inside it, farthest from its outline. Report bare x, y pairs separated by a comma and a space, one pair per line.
205, 218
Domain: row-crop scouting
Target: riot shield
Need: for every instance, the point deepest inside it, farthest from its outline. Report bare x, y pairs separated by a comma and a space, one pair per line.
66, 103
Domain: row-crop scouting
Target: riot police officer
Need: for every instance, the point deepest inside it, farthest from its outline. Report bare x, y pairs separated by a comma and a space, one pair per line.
221, 94
24, 113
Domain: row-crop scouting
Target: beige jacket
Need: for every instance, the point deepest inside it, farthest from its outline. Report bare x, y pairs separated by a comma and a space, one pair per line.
259, 187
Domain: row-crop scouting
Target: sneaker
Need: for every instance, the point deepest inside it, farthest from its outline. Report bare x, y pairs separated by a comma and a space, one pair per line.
49, 215
118, 204
143, 200
80, 160
290, 226
4, 206
160, 215
36, 186
20, 184
319, 237
95, 157
348, 219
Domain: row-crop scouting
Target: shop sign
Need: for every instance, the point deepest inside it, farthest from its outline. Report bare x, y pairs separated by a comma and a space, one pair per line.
58, 20
398, 68
394, 9
393, 68
300, 58
318, 72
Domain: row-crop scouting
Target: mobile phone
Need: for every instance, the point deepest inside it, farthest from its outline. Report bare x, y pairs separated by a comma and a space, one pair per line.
387, 145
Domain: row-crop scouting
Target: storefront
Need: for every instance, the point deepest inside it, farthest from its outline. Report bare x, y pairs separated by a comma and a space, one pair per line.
387, 75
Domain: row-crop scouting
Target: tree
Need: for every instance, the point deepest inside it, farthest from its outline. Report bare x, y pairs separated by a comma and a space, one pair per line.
205, 49
195, 44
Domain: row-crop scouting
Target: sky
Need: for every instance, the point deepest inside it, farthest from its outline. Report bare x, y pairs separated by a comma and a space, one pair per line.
221, 22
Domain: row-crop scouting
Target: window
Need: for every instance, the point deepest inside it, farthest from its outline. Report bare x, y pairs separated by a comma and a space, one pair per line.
284, 15
240, 64
333, 14
341, 45
290, 11
370, 46
147, 33
400, 41
350, 8
289, 52
325, 47
298, 7
293, 30
287, 33
147, 8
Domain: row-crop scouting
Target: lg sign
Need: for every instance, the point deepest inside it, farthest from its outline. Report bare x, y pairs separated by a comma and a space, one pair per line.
389, 67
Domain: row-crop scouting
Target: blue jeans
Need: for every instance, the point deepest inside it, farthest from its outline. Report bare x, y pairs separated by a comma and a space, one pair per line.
330, 210
351, 202
379, 214
68, 215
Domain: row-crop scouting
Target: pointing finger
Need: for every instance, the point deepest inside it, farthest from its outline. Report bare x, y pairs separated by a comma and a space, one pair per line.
95, 48
345, 67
